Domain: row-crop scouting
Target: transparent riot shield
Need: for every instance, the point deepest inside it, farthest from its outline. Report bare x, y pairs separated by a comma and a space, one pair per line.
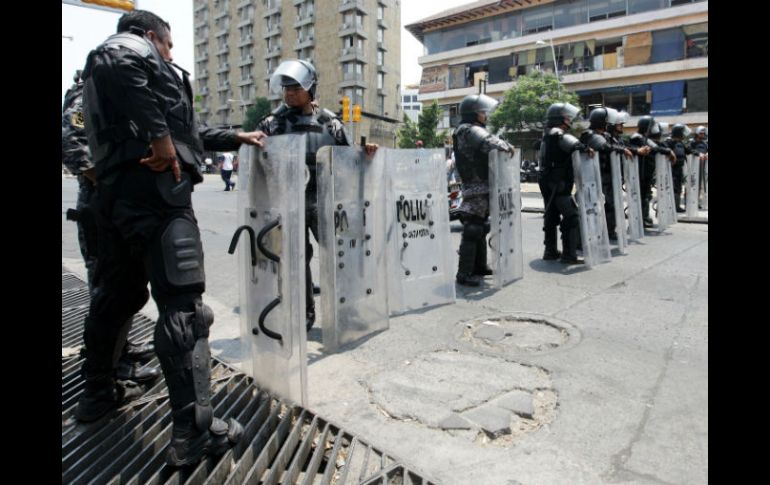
664, 188
505, 249
704, 196
617, 200
271, 239
692, 173
420, 272
351, 224
633, 198
593, 223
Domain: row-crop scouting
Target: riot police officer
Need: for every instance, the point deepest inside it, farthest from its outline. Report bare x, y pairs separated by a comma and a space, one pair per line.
648, 130
297, 81
77, 158
556, 181
676, 142
472, 144
699, 144
598, 138
146, 147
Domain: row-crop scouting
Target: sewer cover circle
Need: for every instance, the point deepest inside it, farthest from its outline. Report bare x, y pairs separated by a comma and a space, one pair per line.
481, 398
519, 333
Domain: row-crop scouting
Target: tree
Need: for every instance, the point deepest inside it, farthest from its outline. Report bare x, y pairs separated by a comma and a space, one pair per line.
524, 106
255, 113
424, 129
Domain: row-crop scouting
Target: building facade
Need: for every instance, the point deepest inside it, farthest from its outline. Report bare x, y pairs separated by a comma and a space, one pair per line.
355, 46
409, 103
640, 56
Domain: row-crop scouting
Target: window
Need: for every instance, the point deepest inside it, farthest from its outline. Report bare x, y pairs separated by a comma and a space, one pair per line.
380, 80
605, 9
538, 19
380, 12
697, 95
567, 14
380, 35
381, 104
380, 58
696, 40
637, 6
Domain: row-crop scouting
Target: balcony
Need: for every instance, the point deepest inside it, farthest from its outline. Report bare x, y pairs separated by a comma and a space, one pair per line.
274, 51
204, 110
202, 39
353, 29
223, 68
222, 31
220, 14
201, 23
249, 39
245, 82
274, 96
201, 6
307, 19
272, 10
269, 74
297, 2
381, 46
223, 87
352, 79
203, 74
223, 107
202, 58
246, 61
383, 23
244, 3
223, 50
304, 42
275, 30
383, 69
245, 22
352, 54
357, 5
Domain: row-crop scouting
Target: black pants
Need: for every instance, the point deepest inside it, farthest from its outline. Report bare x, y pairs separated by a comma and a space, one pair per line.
226, 174
561, 211
87, 232
677, 176
311, 225
134, 218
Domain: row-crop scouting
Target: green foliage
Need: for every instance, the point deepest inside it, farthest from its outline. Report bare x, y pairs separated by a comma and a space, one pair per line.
197, 100
525, 104
255, 113
424, 129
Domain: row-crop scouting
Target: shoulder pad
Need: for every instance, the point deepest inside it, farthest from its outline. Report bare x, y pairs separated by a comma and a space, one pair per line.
326, 115
140, 45
555, 131
570, 138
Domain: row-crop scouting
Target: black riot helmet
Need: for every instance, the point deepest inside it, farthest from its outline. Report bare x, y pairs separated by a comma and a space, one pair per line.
293, 72
598, 118
645, 124
680, 130
559, 113
655, 131
473, 104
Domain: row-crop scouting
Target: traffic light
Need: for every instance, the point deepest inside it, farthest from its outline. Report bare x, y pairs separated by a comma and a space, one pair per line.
345, 109
356, 112
117, 5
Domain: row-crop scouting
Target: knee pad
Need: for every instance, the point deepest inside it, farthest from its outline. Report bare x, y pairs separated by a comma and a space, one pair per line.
182, 254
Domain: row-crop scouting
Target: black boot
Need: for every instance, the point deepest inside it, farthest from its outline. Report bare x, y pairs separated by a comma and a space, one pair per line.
189, 444
466, 263
99, 399
551, 253
480, 266
142, 352
128, 370
569, 242
310, 318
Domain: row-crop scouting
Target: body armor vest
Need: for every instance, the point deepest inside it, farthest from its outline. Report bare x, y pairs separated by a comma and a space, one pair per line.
315, 125
471, 163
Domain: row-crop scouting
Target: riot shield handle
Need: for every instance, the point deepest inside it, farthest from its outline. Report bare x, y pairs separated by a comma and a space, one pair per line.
234, 242
269, 254
263, 315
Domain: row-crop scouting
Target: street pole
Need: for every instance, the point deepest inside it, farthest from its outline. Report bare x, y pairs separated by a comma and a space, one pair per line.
555, 67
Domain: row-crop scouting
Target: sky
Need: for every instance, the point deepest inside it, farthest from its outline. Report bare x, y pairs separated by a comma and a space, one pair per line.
89, 27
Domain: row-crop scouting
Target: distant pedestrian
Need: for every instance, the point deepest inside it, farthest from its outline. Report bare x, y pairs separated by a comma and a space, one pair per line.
226, 169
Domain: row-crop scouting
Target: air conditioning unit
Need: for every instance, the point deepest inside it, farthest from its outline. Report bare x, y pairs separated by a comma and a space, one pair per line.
310, 37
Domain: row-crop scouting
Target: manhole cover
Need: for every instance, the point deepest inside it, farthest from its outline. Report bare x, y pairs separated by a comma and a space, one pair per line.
517, 333
482, 398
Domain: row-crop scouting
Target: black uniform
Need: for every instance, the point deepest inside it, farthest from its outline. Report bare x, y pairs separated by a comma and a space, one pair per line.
646, 170
323, 128
556, 181
148, 232
472, 144
681, 150
701, 147
604, 144
77, 158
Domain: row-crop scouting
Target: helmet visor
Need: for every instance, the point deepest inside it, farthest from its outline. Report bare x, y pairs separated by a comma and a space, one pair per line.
289, 73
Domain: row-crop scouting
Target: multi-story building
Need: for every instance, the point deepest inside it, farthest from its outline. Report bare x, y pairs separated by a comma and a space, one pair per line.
355, 46
409, 103
641, 56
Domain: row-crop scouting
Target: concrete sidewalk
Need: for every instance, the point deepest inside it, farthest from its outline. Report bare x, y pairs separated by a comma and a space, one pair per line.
567, 376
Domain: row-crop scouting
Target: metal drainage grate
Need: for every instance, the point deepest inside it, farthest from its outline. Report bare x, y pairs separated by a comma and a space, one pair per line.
70, 281
282, 443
